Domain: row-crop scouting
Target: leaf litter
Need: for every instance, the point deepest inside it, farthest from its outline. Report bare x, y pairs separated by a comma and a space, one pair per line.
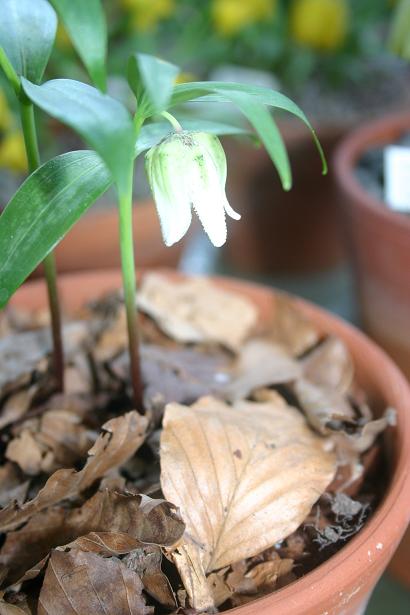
253, 460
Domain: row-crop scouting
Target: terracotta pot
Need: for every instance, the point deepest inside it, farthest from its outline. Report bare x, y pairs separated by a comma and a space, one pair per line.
93, 242
342, 585
288, 232
380, 249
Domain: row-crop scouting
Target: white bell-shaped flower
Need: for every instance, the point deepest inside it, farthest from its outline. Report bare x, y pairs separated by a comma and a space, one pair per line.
188, 170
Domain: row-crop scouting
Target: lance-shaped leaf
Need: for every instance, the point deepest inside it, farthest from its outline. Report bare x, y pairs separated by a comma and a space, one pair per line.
152, 81
103, 122
42, 210
265, 126
27, 32
219, 91
87, 28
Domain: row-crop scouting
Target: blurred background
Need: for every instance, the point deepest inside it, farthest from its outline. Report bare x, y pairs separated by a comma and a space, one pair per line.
336, 240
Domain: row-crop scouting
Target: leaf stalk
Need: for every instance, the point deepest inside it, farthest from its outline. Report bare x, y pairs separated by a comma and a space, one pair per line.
50, 270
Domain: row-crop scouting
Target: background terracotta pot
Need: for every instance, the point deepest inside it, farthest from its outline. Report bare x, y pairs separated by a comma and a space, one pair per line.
342, 585
288, 232
380, 249
93, 242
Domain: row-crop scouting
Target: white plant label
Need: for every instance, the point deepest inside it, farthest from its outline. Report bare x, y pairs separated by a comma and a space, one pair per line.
397, 177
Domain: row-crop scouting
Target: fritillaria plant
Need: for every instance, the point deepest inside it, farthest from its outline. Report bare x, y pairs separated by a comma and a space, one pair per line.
186, 164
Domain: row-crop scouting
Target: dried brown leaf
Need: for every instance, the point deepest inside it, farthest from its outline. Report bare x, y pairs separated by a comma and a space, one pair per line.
330, 365
290, 328
189, 561
86, 584
146, 562
13, 609
266, 574
26, 452
325, 408
105, 543
260, 364
175, 374
123, 436
12, 484
218, 586
196, 310
21, 354
366, 434
244, 477
108, 523
16, 406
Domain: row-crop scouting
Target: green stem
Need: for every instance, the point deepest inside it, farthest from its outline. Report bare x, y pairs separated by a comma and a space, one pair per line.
129, 285
10, 72
172, 120
33, 158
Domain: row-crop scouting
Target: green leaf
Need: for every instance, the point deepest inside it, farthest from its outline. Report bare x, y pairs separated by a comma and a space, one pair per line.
265, 126
42, 210
219, 91
151, 134
399, 41
152, 81
103, 122
27, 32
85, 23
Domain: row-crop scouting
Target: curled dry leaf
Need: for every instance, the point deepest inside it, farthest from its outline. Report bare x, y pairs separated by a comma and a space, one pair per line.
186, 310
146, 562
16, 406
123, 436
108, 523
259, 579
84, 583
12, 484
330, 365
290, 328
260, 364
189, 561
57, 439
26, 452
245, 579
244, 477
324, 407
366, 434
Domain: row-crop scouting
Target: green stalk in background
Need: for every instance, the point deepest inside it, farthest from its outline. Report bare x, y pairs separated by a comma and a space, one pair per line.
130, 287
33, 158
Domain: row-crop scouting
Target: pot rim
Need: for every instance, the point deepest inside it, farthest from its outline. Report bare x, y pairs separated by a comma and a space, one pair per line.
349, 151
299, 593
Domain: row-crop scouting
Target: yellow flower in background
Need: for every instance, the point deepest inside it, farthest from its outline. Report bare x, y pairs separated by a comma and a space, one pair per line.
13, 152
5, 113
63, 41
320, 24
185, 77
145, 14
232, 16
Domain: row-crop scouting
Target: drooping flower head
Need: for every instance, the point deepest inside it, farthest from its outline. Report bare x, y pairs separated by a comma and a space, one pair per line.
186, 171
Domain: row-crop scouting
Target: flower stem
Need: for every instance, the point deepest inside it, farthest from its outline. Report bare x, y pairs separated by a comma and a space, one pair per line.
172, 120
33, 158
129, 285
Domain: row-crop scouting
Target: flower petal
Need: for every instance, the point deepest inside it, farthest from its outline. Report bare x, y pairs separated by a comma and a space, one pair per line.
231, 212
173, 206
208, 200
